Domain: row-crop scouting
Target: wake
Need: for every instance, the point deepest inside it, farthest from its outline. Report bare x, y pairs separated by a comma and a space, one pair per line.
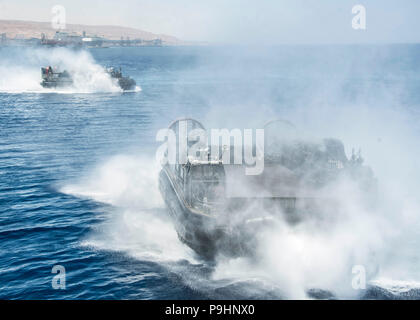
21, 71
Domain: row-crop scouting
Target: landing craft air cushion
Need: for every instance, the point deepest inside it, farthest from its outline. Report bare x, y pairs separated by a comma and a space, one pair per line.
55, 79
217, 209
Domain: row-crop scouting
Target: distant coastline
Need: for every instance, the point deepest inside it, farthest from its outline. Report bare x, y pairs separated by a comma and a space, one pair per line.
17, 32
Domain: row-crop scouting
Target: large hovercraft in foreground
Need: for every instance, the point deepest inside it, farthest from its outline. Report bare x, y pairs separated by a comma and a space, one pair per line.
217, 208
52, 78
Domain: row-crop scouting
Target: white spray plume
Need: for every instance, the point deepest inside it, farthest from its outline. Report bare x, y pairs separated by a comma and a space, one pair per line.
21, 71
138, 225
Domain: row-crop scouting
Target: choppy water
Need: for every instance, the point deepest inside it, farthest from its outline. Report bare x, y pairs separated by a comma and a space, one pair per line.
78, 179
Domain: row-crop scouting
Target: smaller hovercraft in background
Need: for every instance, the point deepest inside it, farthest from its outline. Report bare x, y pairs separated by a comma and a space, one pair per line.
52, 78
126, 83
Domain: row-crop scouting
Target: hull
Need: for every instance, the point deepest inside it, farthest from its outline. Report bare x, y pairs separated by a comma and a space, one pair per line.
199, 231
56, 84
209, 236
127, 83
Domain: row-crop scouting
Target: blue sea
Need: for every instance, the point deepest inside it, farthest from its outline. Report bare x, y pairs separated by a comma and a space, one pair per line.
78, 174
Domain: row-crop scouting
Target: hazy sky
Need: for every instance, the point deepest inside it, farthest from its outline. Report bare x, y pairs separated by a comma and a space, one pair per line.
239, 21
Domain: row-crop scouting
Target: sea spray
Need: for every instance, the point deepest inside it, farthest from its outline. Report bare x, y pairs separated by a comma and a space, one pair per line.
138, 224
21, 71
